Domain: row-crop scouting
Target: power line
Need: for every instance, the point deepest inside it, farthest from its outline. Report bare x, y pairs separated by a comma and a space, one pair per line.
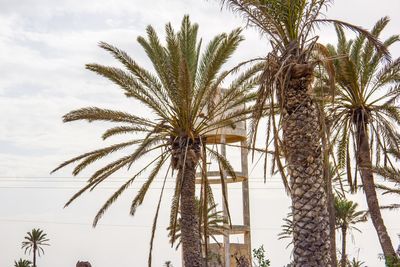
118, 177
130, 188
107, 181
137, 226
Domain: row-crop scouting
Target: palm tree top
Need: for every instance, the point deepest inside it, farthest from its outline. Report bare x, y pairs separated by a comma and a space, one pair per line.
291, 24
367, 93
181, 94
35, 239
347, 214
185, 83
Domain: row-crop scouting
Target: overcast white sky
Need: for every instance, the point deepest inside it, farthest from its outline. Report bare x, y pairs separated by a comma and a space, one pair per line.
44, 45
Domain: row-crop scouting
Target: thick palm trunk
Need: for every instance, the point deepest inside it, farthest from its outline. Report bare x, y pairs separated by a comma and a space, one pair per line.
344, 256
365, 166
302, 144
190, 238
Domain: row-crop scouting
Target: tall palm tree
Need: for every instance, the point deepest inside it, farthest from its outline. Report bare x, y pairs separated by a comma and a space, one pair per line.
346, 217
34, 242
364, 114
22, 263
181, 96
287, 85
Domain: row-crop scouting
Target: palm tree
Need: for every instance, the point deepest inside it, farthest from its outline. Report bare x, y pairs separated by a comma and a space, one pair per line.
182, 98
356, 263
364, 114
22, 263
34, 242
346, 217
287, 86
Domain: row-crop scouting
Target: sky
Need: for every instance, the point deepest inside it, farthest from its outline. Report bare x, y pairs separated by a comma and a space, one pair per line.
44, 45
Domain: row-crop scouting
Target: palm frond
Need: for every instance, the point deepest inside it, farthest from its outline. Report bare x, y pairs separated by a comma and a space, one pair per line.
138, 200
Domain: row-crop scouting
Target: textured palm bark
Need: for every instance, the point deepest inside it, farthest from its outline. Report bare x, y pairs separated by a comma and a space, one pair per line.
344, 256
302, 144
34, 255
190, 235
364, 163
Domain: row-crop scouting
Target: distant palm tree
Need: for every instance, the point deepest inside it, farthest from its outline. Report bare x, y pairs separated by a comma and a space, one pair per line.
34, 242
365, 114
346, 217
182, 98
22, 263
287, 89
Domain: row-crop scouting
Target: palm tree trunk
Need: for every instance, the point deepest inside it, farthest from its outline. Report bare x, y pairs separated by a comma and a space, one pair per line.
344, 257
326, 133
302, 145
34, 255
191, 246
364, 163
332, 224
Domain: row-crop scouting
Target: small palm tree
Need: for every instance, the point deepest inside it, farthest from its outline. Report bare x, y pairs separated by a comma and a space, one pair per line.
287, 90
346, 217
182, 97
22, 263
355, 263
34, 242
364, 114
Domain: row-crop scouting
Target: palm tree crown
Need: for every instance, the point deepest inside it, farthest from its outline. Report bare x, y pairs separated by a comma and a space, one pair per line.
22, 263
367, 92
347, 214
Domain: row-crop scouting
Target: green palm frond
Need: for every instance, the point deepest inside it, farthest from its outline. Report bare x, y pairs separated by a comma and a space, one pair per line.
154, 226
35, 239
347, 215
22, 263
123, 130
287, 229
138, 200
97, 114
125, 186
